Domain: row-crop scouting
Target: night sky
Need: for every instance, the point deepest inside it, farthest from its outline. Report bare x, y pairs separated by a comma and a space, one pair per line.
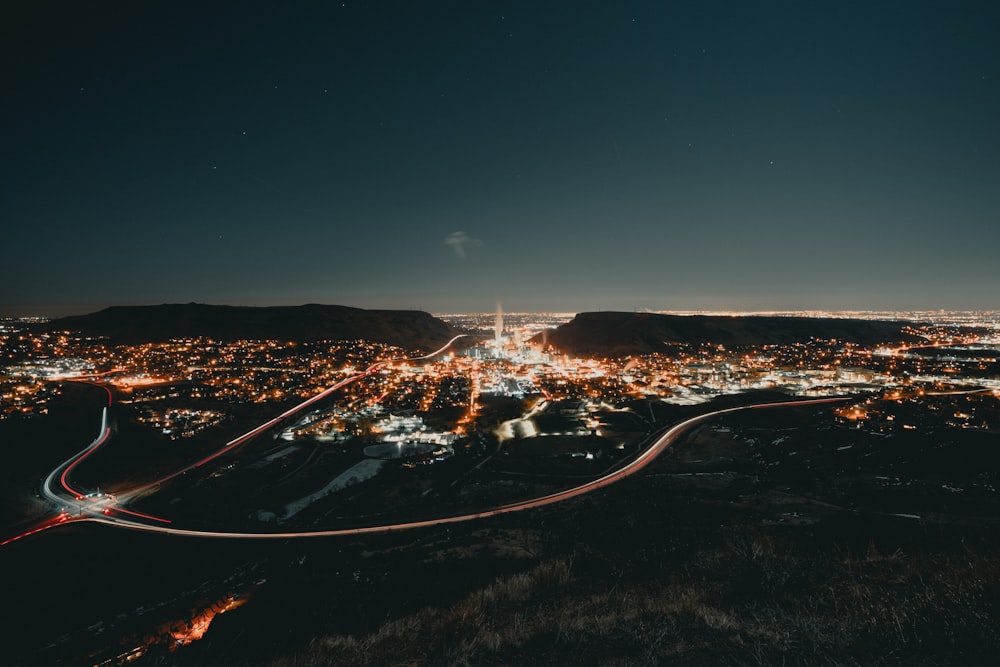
446, 156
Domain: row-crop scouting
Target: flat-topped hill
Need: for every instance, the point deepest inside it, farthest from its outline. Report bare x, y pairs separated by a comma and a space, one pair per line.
409, 329
611, 334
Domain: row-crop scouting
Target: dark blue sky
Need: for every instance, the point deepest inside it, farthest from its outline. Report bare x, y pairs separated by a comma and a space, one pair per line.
445, 156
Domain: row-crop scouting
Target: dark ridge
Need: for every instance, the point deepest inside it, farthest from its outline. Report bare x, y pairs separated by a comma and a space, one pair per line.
614, 334
409, 329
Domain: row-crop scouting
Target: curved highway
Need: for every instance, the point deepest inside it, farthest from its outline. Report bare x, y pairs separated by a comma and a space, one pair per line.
76, 505
104, 508
644, 459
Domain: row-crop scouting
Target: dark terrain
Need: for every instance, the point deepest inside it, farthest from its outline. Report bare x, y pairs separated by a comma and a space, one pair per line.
409, 329
616, 334
755, 541
777, 536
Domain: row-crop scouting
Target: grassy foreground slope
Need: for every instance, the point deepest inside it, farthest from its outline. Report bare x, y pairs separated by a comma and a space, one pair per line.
735, 558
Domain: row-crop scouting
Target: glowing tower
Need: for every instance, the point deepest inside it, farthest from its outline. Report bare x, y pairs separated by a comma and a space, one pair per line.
498, 330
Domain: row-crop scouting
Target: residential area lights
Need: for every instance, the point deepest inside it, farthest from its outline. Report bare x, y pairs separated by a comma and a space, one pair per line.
491, 396
185, 386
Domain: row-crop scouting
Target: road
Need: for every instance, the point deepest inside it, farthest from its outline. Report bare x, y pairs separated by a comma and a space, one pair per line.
236, 442
644, 459
103, 508
76, 505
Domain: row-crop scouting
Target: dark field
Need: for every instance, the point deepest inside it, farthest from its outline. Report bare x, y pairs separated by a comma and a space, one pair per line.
766, 537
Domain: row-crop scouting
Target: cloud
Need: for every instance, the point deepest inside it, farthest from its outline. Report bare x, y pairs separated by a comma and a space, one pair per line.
459, 241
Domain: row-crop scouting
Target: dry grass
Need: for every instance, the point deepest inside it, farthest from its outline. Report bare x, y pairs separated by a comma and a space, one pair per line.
878, 608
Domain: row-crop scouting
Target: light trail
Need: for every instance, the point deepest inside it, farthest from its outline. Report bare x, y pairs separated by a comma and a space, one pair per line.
51, 488
88, 509
86, 506
51, 522
236, 442
640, 462
68, 466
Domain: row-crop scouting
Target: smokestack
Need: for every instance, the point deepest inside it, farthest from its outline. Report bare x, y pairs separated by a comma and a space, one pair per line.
498, 327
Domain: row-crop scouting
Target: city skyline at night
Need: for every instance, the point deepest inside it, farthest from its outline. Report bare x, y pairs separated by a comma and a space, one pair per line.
353, 453
500, 333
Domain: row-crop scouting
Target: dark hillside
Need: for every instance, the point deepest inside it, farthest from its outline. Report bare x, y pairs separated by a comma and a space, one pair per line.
409, 329
620, 334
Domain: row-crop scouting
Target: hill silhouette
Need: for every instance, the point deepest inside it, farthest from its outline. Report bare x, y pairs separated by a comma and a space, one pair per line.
612, 334
409, 329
